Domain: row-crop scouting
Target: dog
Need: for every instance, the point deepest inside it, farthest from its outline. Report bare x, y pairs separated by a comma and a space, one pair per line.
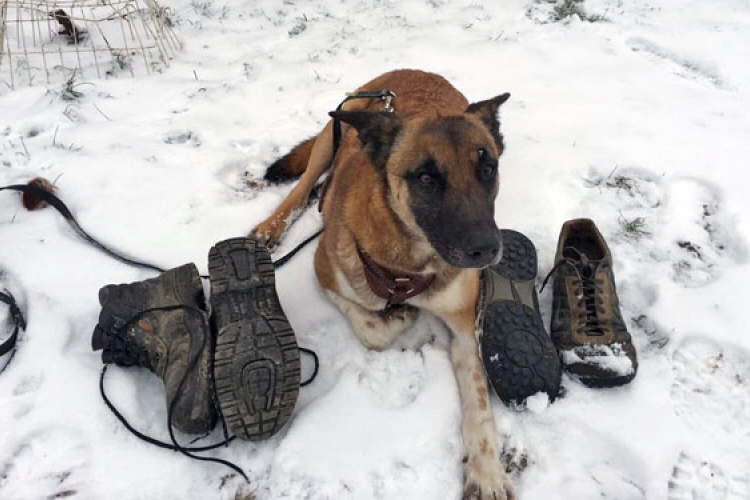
408, 216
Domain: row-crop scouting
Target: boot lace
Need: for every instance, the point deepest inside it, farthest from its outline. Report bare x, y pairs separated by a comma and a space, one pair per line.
137, 352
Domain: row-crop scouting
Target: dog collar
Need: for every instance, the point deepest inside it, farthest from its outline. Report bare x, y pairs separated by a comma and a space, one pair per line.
394, 286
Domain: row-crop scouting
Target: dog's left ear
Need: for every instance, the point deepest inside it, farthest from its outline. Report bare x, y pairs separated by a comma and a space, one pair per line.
377, 131
487, 112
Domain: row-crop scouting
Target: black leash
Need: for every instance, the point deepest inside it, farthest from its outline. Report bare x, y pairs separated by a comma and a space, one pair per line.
63, 209
58, 205
19, 323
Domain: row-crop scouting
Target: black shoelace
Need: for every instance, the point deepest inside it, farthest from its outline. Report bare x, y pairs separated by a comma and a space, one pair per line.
588, 290
138, 354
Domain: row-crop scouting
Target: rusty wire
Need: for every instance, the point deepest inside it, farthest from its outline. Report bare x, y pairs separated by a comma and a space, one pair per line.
54, 41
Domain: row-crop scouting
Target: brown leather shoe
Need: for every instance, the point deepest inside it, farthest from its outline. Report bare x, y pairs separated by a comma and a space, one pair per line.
587, 326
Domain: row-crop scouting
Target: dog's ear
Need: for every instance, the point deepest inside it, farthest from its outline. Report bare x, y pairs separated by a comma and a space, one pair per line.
487, 112
377, 132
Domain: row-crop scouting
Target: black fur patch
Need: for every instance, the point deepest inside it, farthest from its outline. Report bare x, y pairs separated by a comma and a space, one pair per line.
377, 131
487, 112
279, 171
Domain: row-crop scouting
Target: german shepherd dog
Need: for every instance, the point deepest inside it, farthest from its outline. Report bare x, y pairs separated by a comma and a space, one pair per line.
408, 224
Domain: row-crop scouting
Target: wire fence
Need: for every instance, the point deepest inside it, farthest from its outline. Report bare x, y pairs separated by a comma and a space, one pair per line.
53, 41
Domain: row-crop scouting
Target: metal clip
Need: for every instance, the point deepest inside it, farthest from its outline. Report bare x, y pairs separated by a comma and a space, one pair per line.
388, 98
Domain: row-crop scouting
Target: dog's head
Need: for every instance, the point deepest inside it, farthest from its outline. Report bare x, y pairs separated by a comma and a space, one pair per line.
441, 175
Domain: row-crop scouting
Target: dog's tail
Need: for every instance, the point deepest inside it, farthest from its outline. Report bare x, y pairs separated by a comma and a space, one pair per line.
291, 165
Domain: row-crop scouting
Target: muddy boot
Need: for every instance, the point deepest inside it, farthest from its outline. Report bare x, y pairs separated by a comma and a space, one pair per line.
518, 354
257, 366
160, 324
587, 326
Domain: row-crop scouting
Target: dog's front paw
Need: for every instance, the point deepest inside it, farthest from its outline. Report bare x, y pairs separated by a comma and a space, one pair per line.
486, 480
269, 231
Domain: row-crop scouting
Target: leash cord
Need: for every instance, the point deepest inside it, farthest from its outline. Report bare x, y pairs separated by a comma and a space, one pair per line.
63, 209
19, 323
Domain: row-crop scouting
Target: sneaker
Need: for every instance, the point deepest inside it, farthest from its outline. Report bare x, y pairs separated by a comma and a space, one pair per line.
256, 363
518, 354
161, 324
587, 326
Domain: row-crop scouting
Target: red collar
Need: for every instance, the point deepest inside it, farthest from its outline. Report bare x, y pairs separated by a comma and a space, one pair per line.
394, 286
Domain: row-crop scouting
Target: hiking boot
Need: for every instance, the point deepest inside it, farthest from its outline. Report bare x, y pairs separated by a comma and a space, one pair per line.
256, 363
518, 354
587, 326
160, 324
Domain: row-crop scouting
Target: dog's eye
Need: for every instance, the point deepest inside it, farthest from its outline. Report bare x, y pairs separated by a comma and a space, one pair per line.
487, 171
427, 179
482, 153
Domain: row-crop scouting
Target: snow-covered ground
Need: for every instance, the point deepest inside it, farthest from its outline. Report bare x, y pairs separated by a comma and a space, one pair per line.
640, 121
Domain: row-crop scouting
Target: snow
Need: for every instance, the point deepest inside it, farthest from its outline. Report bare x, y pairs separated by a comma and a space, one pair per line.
639, 121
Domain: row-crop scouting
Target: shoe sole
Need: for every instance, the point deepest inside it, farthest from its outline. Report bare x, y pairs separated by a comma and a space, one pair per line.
603, 379
256, 361
518, 354
606, 382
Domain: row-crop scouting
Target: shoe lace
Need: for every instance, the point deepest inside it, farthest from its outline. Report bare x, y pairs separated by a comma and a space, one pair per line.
138, 352
588, 290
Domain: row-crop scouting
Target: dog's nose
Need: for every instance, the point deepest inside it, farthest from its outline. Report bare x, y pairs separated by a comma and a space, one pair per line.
484, 251
483, 247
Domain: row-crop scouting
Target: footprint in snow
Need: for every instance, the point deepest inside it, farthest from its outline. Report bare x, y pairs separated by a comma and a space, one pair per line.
711, 389
395, 378
49, 464
683, 66
696, 479
696, 233
678, 223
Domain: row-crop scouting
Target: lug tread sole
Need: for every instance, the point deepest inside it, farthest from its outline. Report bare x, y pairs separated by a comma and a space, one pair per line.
518, 354
256, 363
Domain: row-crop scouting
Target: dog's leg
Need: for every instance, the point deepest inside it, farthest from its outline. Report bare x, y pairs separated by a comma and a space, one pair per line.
376, 330
320, 160
485, 478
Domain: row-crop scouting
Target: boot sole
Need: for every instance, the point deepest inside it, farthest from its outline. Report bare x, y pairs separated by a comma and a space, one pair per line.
256, 363
518, 354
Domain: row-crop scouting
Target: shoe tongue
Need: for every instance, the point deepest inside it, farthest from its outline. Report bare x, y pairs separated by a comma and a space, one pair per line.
580, 260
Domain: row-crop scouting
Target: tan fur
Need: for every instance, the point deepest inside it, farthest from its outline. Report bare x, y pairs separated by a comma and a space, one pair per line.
358, 207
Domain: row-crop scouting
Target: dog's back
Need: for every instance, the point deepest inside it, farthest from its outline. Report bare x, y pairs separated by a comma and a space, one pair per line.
416, 91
